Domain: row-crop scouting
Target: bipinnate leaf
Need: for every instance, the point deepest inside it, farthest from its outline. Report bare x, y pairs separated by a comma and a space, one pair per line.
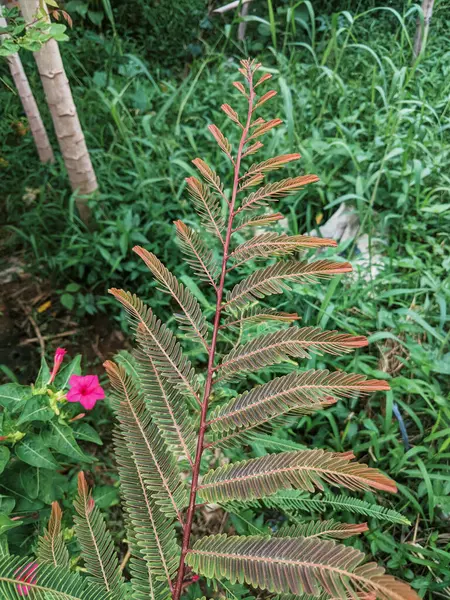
210, 176
256, 220
96, 544
264, 128
157, 465
199, 257
272, 164
294, 565
159, 343
45, 582
168, 409
255, 315
279, 277
221, 140
207, 206
274, 191
296, 342
303, 392
150, 533
323, 529
191, 320
304, 469
52, 549
276, 244
231, 114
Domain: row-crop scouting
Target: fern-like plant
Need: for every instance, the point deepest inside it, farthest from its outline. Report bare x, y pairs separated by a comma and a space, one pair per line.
171, 420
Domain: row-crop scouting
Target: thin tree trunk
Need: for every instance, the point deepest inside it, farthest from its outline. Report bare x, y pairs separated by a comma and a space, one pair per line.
29, 104
64, 113
422, 31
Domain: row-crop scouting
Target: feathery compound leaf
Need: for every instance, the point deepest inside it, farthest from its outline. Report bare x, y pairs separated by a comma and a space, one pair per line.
295, 565
263, 78
51, 547
252, 149
21, 577
324, 529
274, 279
210, 176
96, 544
238, 85
168, 409
257, 221
207, 206
297, 342
305, 469
272, 164
267, 96
305, 392
151, 535
158, 467
251, 182
158, 342
295, 500
276, 244
265, 128
255, 315
199, 257
274, 191
192, 319
231, 113
221, 140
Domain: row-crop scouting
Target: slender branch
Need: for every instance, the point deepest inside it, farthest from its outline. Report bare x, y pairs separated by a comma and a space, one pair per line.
209, 378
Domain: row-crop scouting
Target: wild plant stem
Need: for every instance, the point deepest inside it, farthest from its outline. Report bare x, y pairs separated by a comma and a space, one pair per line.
208, 385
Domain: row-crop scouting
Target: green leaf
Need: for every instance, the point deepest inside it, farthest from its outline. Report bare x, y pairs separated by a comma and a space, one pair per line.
43, 375
62, 440
4, 457
83, 431
106, 496
73, 368
6, 524
36, 409
33, 451
7, 504
13, 395
68, 301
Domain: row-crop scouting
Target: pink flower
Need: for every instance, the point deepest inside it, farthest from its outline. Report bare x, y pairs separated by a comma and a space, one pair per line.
59, 357
27, 574
85, 389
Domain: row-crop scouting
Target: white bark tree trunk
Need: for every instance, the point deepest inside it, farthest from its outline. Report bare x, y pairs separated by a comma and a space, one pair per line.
64, 114
422, 32
29, 104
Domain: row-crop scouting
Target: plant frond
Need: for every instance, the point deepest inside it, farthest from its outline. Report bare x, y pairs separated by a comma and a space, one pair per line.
238, 85
297, 342
221, 140
158, 467
199, 257
159, 343
207, 206
304, 392
276, 244
251, 181
52, 549
168, 409
252, 149
294, 565
210, 176
254, 315
257, 220
264, 98
192, 320
151, 534
305, 469
272, 164
264, 128
276, 278
96, 543
231, 114
295, 500
324, 529
263, 78
21, 577
273, 191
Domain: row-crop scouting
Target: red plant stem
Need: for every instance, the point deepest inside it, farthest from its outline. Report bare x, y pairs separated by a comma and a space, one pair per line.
202, 430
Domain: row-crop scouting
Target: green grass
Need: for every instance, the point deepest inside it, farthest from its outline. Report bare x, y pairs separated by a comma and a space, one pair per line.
376, 129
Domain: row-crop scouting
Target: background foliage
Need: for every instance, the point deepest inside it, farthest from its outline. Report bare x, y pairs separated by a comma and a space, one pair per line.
371, 123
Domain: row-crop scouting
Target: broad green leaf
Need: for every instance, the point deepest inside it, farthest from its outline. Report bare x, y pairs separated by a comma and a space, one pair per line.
6, 524
36, 409
83, 431
106, 496
73, 368
43, 375
4, 457
62, 440
13, 395
7, 504
33, 451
